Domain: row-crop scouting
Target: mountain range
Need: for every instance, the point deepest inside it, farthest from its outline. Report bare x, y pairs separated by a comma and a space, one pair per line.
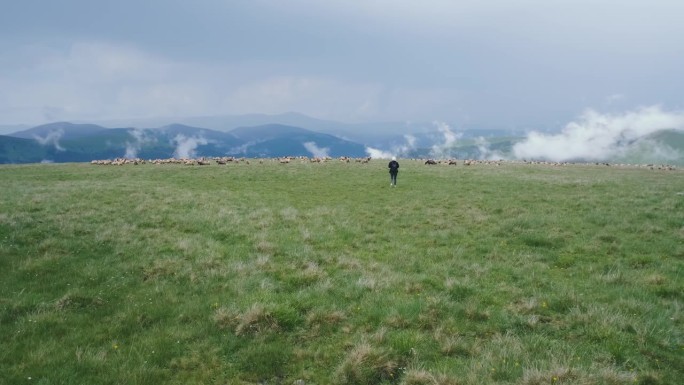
256, 136
69, 142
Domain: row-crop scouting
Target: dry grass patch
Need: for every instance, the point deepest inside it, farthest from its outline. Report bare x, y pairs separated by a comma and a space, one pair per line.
255, 320
319, 318
655, 279
264, 247
225, 318
527, 305
163, 268
368, 283
76, 301
91, 356
365, 364
557, 375
564, 375
213, 267
290, 214
423, 377
262, 218
455, 345
476, 314
597, 318
349, 263
312, 272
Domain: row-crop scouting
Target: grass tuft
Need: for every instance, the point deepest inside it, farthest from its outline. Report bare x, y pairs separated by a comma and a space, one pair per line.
365, 364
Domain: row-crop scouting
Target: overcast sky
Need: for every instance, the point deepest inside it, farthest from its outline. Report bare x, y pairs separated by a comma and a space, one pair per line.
496, 63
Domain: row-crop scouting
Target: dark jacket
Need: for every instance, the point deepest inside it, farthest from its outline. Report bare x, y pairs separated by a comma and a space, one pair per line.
393, 167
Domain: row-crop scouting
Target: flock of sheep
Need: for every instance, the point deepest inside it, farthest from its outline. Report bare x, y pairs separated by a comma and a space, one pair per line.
469, 162
204, 161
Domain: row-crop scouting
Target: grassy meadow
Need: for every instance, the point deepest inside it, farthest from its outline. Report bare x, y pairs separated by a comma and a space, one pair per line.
309, 273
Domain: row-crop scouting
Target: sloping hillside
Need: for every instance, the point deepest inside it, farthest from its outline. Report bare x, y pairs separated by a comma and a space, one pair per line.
20, 150
280, 140
66, 142
65, 130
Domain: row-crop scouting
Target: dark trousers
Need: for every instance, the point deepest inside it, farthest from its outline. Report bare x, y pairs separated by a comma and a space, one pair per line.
393, 178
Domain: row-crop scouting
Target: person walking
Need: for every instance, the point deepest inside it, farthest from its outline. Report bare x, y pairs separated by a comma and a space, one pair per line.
393, 170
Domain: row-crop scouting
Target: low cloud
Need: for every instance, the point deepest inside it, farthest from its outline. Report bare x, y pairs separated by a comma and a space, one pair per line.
243, 148
316, 151
409, 145
402, 148
140, 138
597, 136
443, 148
186, 147
410, 141
378, 154
485, 152
52, 138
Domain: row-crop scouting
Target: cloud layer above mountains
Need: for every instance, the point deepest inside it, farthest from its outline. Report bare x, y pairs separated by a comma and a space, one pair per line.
524, 64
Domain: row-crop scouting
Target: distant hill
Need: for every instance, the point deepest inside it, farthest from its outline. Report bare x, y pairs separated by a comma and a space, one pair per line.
173, 130
672, 138
6, 129
20, 150
275, 140
68, 130
662, 147
362, 133
485, 148
381, 134
67, 142
267, 132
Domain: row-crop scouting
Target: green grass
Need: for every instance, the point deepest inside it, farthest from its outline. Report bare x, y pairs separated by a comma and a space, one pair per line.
321, 273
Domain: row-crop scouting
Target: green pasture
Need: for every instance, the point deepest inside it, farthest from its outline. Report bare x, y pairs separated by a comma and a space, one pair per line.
307, 273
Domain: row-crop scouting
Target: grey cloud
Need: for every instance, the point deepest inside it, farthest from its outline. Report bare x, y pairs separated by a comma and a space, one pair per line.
501, 63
